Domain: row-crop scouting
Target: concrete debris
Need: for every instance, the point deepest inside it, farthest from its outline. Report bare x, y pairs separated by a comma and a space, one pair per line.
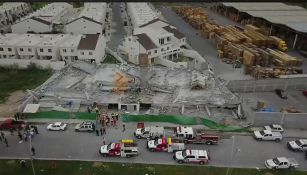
112, 84
88, 68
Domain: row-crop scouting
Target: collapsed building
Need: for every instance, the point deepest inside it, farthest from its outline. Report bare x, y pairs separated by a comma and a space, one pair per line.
135, 88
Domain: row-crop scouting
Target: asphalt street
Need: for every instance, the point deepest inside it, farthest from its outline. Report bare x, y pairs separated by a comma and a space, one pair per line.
203, 46
71, 145
118, 30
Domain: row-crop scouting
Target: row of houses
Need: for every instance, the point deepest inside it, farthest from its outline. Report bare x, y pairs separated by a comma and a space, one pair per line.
48, 19
54, 47
140, 13
91, 20
152, 42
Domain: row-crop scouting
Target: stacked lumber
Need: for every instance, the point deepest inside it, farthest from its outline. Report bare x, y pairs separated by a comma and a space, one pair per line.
196, 16
283, 59
259, 72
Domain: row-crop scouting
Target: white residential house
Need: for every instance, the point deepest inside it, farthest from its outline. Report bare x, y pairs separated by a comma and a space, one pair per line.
90, 21
140, 13
42, 20
49, 49
8, 43
92, 48
28, 48
68, 49
158, 39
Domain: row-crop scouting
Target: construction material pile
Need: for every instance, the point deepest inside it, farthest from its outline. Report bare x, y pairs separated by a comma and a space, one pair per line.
250, 46
195, 16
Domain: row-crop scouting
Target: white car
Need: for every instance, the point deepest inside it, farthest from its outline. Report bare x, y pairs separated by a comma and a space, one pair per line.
281, 163
57, 126
274, 128
268, 135
192, 156
298, 145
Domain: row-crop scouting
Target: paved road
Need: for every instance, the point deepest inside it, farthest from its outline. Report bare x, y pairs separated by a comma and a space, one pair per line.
118, 30
84, 146
205, 47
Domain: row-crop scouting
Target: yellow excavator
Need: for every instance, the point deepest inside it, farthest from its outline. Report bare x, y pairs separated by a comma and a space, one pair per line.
280, 43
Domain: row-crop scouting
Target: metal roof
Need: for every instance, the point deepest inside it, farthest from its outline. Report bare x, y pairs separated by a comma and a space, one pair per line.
294, 17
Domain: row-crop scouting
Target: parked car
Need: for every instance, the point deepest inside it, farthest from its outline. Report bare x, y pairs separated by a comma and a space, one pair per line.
274, 128
267, 135
281, 93
85, 126
149, 132
191, 156
305, 93
298, 145
57, 126
10, 123
281, 163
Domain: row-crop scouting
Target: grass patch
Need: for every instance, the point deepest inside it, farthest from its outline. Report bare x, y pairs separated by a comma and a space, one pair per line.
37, 5
110, 59
62, 115
90, 168
14, 79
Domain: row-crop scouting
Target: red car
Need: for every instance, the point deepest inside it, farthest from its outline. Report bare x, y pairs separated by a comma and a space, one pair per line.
305, 93
11, 124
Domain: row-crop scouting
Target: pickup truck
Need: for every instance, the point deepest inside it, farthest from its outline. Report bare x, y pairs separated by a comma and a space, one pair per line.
281, 163
164, 145
126, 148
268, 135
11, 124
192, 156
149, 132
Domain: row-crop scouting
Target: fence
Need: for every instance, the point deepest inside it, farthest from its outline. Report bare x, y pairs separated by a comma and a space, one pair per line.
288, 120
297, 83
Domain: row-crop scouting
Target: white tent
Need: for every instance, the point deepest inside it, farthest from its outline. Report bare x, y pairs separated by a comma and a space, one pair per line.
31, 108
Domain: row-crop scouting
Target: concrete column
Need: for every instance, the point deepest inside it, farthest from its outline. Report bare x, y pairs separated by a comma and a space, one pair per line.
138, 107
294, 43
182, 109
119, 106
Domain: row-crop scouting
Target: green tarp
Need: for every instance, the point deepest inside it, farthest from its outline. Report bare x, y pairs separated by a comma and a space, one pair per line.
63, 115
182, 120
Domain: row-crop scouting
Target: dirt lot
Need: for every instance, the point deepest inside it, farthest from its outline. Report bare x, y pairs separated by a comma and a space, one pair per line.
9, 107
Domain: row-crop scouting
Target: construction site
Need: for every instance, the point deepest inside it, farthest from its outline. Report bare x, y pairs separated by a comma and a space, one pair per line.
144, 90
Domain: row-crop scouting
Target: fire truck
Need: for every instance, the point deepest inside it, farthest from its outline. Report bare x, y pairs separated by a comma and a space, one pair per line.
165, 145
190, 135
125, 148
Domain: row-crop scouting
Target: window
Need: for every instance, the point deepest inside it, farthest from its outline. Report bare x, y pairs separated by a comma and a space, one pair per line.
21, 49
1, 49
167, 48
161, 41
168, 38
9, 49
29, 50
41, 50
149, 53
82, 53
156, 51
162, 50
64, 50
49, 50
72, 50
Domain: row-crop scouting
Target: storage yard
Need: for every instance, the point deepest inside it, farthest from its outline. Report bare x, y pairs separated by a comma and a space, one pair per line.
263, 56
